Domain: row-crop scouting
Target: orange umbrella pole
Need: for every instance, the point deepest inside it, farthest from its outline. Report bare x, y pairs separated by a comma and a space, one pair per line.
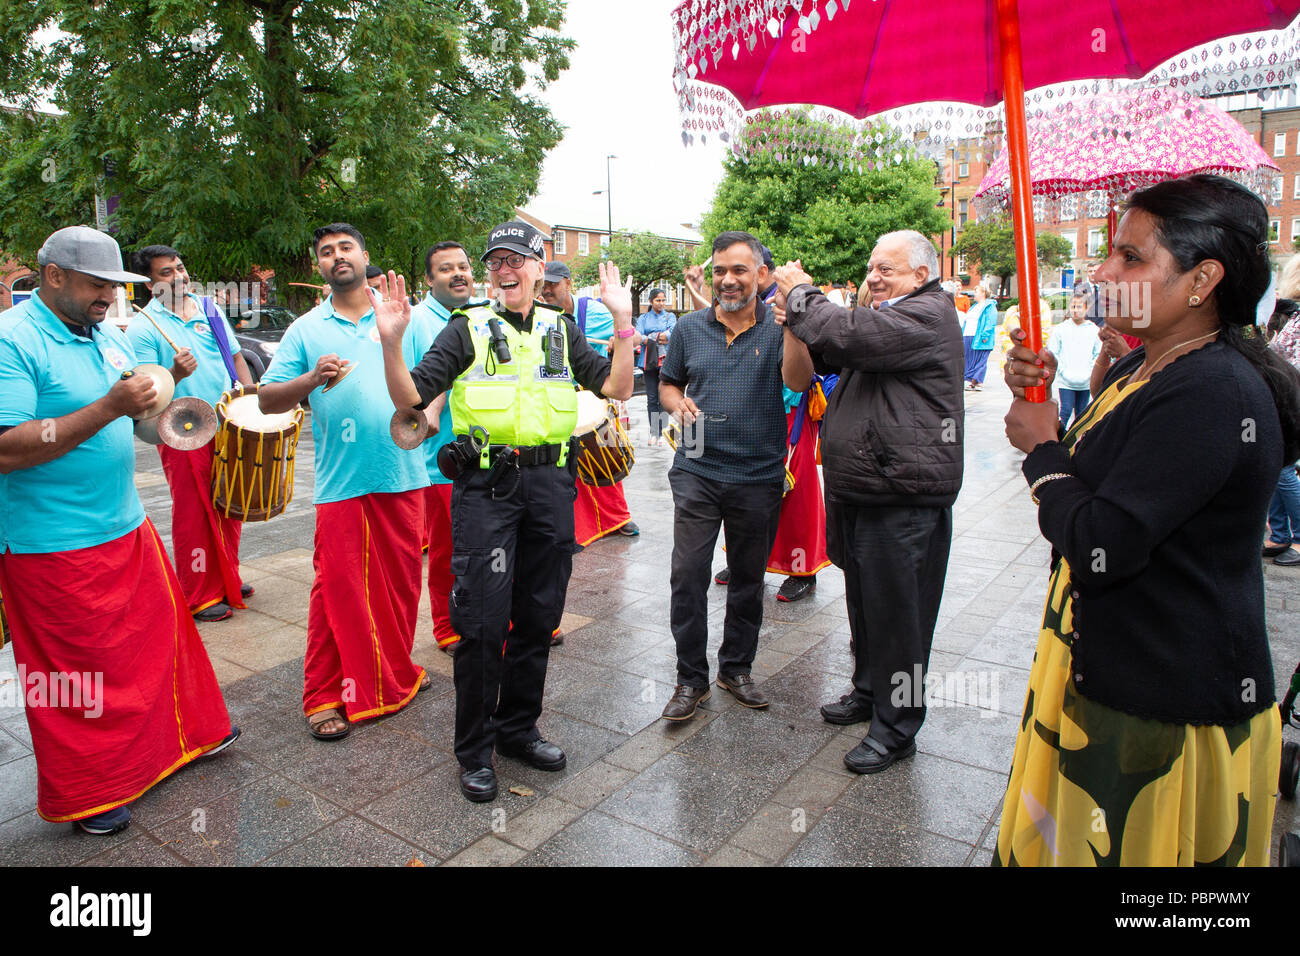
1022, 204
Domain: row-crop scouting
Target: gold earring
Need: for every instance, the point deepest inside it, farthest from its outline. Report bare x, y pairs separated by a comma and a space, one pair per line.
1194, 301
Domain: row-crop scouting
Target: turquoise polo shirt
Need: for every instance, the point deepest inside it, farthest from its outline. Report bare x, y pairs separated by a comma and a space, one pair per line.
355, 454
210, 377
432, 317
599, 325
86, 497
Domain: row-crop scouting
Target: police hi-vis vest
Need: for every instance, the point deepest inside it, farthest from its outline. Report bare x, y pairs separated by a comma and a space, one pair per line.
519, 402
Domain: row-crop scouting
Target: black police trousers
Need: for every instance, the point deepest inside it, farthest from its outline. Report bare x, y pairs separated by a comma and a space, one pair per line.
511, 560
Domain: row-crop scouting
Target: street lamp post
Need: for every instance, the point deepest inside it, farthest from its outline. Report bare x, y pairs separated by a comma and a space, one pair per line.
609, 204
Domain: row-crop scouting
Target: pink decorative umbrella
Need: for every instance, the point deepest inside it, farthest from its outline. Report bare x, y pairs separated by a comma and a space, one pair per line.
865, 57
1122, 141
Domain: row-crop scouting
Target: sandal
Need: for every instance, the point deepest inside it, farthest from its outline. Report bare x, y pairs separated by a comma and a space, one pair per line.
323, 717
425, 683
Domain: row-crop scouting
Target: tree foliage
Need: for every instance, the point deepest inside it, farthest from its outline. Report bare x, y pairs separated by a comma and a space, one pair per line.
827, 216
990, 243
236, 128
649, 260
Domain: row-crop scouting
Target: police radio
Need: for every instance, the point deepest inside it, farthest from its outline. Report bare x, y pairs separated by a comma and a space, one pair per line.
555, 352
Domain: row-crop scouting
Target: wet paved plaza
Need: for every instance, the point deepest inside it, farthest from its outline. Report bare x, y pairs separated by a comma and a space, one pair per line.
732, 787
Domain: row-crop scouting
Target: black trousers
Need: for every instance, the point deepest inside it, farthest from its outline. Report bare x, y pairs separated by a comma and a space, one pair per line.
749, 512
895, 560
511, 560
654, 409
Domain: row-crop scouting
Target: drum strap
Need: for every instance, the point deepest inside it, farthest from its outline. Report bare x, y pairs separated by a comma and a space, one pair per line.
217, 323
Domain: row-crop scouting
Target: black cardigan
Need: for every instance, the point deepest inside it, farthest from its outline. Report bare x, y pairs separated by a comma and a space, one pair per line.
1162, 528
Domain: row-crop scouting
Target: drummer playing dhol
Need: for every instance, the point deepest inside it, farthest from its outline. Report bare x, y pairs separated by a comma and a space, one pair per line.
205, 543
511, 370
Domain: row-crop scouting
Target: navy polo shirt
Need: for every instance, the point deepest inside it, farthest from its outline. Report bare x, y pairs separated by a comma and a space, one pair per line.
741, 433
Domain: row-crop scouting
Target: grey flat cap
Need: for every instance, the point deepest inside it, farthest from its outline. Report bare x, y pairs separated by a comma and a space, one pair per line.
82, 249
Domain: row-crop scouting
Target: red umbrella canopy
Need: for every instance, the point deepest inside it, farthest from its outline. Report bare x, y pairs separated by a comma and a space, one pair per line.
866, 56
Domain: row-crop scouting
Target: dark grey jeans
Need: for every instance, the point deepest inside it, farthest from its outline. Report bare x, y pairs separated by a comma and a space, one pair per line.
749, 512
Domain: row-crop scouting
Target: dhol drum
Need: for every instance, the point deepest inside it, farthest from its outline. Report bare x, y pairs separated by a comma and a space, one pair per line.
605, 453
252, 475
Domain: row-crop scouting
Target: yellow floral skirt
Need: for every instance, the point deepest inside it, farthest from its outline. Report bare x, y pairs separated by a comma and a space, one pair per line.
1091, 786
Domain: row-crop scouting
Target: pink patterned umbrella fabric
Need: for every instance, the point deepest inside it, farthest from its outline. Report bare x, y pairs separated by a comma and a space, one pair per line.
1118, 142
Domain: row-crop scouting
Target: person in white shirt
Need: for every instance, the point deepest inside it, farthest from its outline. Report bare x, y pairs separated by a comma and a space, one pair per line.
1076, 346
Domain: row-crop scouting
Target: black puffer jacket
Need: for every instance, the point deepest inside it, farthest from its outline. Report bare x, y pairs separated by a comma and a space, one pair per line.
893, 432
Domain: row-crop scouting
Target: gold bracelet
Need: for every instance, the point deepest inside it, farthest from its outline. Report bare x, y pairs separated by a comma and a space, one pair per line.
1041, 481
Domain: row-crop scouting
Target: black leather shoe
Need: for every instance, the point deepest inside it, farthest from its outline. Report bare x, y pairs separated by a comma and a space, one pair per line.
536, 753
1272, 550
797, 588
1288, 558
682, 705
479, 786
218, 612
848, 711
743, 688
867, 759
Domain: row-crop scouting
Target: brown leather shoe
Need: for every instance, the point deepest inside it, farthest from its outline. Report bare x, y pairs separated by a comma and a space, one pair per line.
743, 688
684, 701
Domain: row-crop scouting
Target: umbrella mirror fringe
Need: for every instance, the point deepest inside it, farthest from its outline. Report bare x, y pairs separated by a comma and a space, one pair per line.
706, 31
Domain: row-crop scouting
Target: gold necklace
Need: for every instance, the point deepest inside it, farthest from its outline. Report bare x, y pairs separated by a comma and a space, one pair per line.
1139, 376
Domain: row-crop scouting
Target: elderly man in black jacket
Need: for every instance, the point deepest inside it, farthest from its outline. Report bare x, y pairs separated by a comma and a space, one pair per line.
892, 454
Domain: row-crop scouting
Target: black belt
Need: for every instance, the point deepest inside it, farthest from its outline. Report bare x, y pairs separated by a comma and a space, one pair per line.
529, 455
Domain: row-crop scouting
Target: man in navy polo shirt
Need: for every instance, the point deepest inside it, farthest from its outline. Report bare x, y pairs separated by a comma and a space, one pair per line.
722, 378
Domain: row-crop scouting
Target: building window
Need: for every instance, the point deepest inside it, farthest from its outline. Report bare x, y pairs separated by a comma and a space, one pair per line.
1296, 193
604, 241
1069, 207
1279, 144
961, 213
963, 170
1295, 231
1277, 192
558, 238
1072, 237
1094, 242
1274, 229
583, 247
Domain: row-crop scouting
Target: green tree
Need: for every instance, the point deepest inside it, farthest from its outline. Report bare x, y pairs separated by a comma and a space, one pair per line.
235, 128
649, 260
824, 213
1054, 252
990, 243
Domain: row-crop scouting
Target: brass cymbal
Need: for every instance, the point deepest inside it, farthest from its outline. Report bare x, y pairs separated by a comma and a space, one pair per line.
146, 429
162, 381
187, 424
344, 372
409, 428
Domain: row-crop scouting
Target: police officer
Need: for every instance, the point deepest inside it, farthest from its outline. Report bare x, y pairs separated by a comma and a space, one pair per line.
511, 368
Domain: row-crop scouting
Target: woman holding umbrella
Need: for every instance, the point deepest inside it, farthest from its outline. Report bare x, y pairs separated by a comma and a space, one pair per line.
1150, 735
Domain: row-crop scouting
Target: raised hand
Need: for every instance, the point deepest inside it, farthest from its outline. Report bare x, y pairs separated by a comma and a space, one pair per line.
790, 275
393, 315
694, 277
616, 294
